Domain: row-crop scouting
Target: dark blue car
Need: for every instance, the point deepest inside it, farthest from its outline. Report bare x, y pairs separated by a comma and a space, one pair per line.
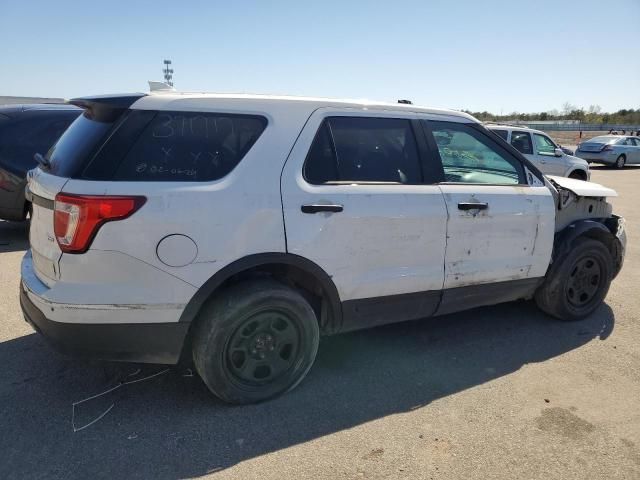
24, 131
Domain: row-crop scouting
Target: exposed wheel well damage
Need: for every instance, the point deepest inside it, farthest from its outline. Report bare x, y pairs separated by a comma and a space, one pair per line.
604, 230
297, 272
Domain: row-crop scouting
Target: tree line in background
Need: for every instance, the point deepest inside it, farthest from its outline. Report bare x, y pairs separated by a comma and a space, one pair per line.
593, 114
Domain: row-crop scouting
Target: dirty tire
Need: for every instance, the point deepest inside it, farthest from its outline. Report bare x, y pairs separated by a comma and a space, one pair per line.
577, 283
620, 161
255, 340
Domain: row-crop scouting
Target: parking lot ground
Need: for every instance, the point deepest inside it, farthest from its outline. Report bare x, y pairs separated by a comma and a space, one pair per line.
495, 393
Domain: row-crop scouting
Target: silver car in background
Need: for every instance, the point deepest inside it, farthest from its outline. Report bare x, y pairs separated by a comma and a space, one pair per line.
617, 150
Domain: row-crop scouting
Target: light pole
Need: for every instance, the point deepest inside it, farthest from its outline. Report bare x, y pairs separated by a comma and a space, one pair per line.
168, 73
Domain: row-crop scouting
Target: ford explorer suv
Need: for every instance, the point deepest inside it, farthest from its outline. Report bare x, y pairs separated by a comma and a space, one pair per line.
235, 230
24, 131
544, 153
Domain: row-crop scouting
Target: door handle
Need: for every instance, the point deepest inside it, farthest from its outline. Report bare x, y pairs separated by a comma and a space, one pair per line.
473, 206
321, 208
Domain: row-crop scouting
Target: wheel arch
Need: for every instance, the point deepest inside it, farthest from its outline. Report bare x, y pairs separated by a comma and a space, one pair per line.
594, 229
577, 171
297, 271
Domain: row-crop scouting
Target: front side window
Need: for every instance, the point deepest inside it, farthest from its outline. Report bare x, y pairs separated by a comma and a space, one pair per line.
521, 141
363, 149
190, 146
468, 156
544, 145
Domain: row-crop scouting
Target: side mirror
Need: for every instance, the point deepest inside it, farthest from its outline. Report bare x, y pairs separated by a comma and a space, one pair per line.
558, 152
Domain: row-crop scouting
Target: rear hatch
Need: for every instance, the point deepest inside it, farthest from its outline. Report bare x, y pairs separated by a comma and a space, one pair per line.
66, 159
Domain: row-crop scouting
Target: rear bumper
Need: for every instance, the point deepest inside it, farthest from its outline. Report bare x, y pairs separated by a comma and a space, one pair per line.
145, 342
597, 157
106, 332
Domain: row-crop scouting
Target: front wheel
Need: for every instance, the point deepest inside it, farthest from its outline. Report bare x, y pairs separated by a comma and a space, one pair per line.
254, 341
620, 161
577, 284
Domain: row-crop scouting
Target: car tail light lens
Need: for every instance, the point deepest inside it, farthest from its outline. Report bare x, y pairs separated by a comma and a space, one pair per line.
77, 218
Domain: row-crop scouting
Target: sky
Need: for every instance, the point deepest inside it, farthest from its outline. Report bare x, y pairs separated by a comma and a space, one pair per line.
499, 56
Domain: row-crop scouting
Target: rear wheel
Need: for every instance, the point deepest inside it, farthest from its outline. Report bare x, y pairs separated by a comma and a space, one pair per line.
620, 161
577, 284
254, 341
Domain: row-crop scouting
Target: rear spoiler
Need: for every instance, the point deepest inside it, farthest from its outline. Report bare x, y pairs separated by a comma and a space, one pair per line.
106, 108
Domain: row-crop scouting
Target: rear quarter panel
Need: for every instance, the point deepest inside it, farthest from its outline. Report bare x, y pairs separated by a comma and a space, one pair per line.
227, 219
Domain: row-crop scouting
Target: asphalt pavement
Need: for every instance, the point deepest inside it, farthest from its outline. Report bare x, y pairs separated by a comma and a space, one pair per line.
501, 392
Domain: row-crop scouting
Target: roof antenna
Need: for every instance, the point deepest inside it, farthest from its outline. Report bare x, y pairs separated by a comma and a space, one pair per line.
405, 102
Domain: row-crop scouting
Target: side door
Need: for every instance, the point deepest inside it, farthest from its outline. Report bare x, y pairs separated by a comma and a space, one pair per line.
522, 142
545, 156
632, 146
500, 229
356, 202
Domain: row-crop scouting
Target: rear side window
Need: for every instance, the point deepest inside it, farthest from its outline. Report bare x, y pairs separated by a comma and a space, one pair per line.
521, 141
77, 143
501, 133
190, 146
363, 149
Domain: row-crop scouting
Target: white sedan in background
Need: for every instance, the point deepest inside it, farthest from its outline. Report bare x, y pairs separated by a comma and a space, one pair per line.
617, 150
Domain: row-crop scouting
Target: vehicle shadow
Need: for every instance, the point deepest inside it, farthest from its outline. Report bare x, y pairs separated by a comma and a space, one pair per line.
170, 427
14, 236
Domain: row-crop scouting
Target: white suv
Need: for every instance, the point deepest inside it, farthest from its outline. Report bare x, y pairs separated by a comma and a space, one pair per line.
236, 229
543, 152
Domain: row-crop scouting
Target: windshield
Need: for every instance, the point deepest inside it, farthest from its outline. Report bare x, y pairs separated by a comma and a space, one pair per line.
76, 144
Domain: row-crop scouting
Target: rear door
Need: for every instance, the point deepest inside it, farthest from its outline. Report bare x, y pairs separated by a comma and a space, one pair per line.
633, 150
500, 229
356, 203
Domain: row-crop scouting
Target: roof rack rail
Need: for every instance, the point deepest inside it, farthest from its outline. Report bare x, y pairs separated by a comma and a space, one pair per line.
405, 102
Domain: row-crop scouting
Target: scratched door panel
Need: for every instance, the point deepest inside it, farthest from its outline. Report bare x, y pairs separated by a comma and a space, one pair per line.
510, 240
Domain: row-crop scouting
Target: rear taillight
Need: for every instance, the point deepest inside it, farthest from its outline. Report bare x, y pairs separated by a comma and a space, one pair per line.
77, 218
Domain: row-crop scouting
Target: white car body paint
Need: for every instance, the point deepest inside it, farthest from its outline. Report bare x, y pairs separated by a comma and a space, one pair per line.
390, 239
511, 240
584, 189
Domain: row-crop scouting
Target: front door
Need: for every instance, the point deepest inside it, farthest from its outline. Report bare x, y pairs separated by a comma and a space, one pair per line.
355, 202
545, 156
500, 229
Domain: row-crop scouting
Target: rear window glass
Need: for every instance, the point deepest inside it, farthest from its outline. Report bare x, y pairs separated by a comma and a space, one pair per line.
605, 140
501, 133
364, 149
76, 144
190, 146
521, 141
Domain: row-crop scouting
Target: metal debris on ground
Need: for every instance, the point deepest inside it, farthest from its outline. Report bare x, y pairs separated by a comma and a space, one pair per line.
116, 387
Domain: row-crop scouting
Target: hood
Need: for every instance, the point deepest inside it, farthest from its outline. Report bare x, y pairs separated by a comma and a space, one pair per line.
582, 188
